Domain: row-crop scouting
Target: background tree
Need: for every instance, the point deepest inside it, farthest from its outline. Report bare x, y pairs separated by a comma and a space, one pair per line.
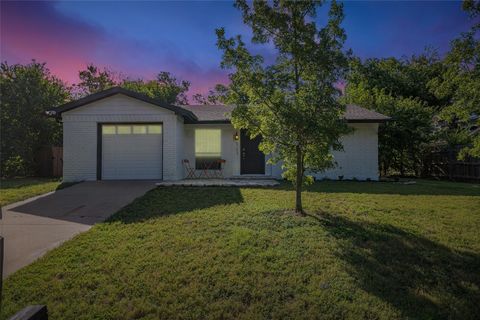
399, 89
293, 103
459, 84
165, 88
92, 80
26, 92
214, 97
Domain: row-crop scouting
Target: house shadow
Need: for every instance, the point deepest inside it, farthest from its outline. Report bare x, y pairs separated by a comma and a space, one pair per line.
164, 201
420, 278
423, 187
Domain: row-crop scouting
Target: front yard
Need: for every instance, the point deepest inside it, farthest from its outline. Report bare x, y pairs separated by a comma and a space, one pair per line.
366, 250
13, 190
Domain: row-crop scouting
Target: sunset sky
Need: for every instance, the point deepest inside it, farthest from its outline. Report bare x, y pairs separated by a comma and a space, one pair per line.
139, 39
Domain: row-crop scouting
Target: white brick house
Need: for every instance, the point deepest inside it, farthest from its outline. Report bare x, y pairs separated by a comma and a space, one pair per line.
120, 134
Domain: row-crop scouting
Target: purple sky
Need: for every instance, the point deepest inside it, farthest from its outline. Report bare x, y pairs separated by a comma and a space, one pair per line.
139, 39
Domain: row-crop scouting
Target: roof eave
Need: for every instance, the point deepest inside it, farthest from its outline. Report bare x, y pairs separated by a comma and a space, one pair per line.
56, 112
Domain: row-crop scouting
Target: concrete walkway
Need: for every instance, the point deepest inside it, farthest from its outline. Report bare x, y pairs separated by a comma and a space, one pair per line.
34, 226
220, 183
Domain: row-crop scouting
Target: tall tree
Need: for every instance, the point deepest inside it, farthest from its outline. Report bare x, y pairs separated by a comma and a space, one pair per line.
399, 88
215, 96
460, 85
165, 88
293, 103
93, 79
26, 92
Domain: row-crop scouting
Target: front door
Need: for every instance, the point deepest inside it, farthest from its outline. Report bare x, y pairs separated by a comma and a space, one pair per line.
252, 160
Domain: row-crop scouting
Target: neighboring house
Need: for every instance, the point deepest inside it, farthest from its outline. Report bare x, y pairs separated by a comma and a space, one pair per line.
120, 134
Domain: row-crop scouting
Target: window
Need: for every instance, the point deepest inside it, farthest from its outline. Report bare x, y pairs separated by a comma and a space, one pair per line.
124, 129
131, 129
108, 129
154, 129
139, 129
208, 148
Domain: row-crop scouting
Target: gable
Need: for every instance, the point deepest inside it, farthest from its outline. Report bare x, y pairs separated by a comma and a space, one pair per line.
118, 104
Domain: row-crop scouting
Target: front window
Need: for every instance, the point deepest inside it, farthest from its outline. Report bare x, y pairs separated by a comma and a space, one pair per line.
208, 148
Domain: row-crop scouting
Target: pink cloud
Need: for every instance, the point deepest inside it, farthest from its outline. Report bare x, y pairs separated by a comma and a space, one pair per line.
37, 31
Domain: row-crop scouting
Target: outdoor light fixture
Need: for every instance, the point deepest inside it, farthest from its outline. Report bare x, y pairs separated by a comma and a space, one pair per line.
235, 136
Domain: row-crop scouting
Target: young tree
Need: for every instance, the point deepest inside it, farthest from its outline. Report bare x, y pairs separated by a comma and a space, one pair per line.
26, 92
293, 103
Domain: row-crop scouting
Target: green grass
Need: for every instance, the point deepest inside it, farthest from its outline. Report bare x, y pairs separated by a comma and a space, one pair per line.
13, 190
366, 250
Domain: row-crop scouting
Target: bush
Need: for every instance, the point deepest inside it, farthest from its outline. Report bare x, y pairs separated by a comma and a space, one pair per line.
13, 167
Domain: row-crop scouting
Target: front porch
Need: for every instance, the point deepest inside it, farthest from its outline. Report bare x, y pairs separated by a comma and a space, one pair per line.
220, 183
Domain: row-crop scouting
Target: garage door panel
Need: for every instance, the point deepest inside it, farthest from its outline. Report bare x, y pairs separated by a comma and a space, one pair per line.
134, 155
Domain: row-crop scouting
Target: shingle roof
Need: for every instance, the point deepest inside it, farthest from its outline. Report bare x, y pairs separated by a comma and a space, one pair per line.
355, 113
203, 113
221, 113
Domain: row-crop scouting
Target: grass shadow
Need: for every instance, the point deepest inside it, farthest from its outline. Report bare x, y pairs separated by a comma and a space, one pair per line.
164, 201
419, 187
421, 278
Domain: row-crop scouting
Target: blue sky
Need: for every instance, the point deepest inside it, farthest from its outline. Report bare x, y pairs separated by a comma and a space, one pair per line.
139, 38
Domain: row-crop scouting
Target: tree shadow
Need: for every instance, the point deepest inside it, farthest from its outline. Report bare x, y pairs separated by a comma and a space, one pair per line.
163, 201
420, 187
419, 277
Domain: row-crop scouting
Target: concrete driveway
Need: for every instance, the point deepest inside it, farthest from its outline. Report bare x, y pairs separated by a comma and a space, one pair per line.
34, 226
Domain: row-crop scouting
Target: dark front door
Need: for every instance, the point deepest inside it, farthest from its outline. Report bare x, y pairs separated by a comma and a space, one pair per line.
252, 160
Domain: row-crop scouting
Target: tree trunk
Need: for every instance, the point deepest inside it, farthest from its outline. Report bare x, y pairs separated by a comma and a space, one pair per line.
298, 182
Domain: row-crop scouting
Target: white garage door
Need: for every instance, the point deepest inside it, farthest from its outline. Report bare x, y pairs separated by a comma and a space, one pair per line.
131, 151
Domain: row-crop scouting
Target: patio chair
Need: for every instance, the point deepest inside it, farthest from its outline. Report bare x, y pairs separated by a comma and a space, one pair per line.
219, 171
191, 174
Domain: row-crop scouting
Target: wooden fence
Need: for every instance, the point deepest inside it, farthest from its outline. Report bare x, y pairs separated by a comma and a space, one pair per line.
50, 161
445, 164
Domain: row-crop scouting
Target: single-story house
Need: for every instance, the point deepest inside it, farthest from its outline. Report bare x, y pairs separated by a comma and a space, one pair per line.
118, 134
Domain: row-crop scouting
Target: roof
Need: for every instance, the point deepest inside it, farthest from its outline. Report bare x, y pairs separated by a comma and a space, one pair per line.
354, 113
211, 113
189, 116
202, 113
222, 113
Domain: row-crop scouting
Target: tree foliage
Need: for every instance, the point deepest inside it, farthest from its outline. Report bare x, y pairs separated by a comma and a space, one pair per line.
93, 80
165, 87
27, 91
399, 89
293, 103
459, 84
214, 97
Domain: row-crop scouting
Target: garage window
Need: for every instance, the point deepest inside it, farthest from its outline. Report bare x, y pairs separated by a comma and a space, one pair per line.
139, 129
208, 148
124, 129
155, 129
108, 129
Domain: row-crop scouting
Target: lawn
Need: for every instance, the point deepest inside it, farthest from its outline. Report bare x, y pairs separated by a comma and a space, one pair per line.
13, 190
366, 250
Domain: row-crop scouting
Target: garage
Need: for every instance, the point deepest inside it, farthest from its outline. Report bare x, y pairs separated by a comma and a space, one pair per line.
131, 151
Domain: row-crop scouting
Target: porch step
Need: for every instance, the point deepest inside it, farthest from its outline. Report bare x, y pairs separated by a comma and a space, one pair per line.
251, 177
